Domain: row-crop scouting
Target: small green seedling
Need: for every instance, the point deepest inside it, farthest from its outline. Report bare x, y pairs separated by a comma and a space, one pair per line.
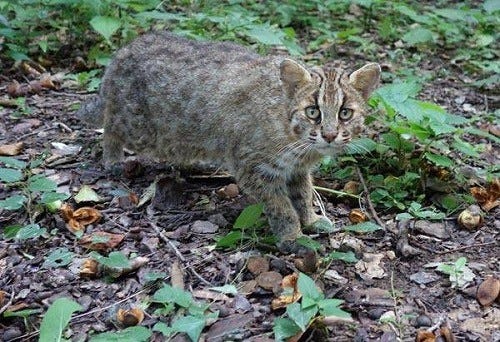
460, 274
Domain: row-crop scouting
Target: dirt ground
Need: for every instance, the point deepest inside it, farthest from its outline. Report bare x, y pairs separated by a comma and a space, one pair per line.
394, 281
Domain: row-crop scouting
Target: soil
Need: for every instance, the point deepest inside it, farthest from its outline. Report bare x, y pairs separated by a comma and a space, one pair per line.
395, 280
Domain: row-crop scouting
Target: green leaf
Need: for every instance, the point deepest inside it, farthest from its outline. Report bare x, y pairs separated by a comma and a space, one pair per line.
191, 325
439, 160
59, 257
49, 197
40, 183
249, 216
164, 329
230, 240
333, 310
308, 287
418, 35
153, 276
9, 232
87, 194
169, 294
363, 227
131, 334
13, 202
344, 256
113, 260
56, 318
284, 328
30, 231
361, 146
265, 34
10, 175
491, 6
106, 26
464, 147
308, 242
12, 162
227, 289
21, 313
301, 317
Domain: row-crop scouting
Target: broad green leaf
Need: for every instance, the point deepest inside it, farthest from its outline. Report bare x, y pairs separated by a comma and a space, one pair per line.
308, 242
439, 160
153, 276
301, 317
165, 16
106, 26
131, 334
113, 260
40, 183
10, 232
87, 194
227, 289
230, 240
30, 231
164, 329
491, 6
307, 302
249, 216
169, 294
460, 263
465, 147
284, 328
307, 287
59, 257
49, 197
398, 92
10, 175
363, 227
344, 256
265, 34
13, 162
361, 146
56, 318
329, 307
191, 325
418, 35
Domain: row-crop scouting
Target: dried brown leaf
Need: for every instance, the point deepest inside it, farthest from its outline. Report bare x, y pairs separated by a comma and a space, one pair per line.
488, 291
89, 269
447, 335
101, 241
425, 336
487, 197
291, 293
130, 317
11, 149
257, 265
269, 280
357, 216
2, 297
78, 219
176, 275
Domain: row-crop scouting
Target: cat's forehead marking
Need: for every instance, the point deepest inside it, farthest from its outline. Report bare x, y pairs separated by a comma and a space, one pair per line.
332, 95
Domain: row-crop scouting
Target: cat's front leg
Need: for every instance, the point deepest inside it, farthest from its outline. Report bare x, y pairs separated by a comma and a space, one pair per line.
282, 216
300, 189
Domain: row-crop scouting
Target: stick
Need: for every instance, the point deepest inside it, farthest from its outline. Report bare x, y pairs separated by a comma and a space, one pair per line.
370, 204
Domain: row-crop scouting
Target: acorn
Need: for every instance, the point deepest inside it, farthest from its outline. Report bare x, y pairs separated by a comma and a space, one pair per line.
471, 218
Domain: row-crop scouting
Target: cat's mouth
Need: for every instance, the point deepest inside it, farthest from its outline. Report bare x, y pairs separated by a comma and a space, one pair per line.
329, 148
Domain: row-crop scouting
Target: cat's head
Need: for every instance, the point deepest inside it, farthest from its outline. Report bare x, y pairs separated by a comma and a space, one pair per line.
327, 106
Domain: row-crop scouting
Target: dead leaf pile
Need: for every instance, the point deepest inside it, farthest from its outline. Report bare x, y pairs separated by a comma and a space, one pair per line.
489, 197
290, 293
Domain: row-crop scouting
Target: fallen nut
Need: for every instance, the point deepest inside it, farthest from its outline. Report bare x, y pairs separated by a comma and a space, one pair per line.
471, 218
130, 317
357, 216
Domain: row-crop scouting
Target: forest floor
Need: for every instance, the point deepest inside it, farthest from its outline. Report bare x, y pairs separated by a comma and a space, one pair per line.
389, 292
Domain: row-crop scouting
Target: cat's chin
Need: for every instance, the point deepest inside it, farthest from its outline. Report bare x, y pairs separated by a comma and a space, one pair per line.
329, 150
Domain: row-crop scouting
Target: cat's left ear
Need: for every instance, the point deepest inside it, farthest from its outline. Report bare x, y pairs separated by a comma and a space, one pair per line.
366, 79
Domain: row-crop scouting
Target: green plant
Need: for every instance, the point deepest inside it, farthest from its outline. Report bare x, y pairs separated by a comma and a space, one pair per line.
312, 307
56, 319
460, 275
194, 319
31, 192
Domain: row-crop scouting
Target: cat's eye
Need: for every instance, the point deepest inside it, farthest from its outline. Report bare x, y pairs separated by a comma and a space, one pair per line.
345, 114
313, 113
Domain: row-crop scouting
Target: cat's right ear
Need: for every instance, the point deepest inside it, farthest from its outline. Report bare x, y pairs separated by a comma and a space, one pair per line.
293, 75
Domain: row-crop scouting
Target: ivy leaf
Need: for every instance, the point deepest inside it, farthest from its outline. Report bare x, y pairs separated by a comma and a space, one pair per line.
10, 175
168, 294
106, 26
191, 325
363, 227
56, 318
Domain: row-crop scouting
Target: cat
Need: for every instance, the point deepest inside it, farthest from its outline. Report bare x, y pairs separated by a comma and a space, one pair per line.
267, 120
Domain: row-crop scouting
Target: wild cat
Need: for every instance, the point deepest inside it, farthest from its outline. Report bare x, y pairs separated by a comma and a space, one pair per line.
267, 120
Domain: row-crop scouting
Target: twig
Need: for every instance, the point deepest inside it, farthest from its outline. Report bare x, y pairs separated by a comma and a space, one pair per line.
335, 192
467, 247
367, 196
436, 326
179, 254
3, 308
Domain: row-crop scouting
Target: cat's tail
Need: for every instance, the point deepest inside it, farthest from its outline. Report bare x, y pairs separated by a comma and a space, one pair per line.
91, 112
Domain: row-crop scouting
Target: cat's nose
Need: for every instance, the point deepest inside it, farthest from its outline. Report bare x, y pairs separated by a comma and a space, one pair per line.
329, 136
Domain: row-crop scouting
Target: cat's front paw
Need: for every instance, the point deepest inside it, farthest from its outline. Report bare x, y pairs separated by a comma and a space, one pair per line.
321, 225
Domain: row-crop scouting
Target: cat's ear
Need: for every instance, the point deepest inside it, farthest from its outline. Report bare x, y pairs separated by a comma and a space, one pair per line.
366, 79
293, 75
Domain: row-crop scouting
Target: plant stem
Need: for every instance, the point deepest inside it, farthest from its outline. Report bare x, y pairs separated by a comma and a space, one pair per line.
336, 192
